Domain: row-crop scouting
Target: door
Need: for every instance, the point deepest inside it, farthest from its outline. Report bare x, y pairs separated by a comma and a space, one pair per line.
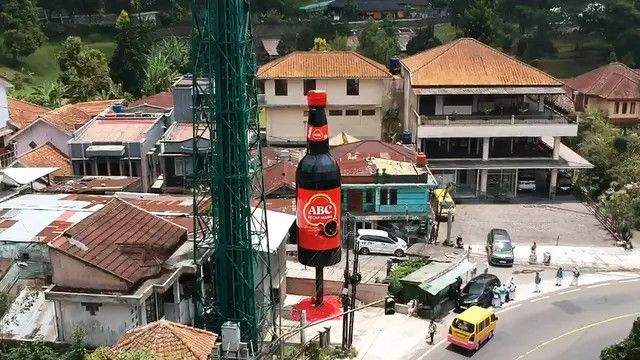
354, 200
385, 245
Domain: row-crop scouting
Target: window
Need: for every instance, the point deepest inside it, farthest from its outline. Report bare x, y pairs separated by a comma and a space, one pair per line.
458, 100
368, 196
335, 112
308, 85
260, 86
353, 87
114, 167
368, 113
33, 145
150, 308
481, 326
617, 108
624, 107
384, 196
632, 108
281, 87
184, 167
393, 198
355, 112
388, 196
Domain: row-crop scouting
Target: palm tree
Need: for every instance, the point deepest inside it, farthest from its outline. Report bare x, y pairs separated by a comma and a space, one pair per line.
50, 94
159, 74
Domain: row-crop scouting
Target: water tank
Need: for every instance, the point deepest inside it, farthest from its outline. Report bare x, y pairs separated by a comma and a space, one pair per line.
421, 159
117, 108
394, 66
230, 334
406, 137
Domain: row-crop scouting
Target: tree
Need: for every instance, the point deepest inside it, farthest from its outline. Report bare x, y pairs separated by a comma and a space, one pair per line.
480, 21
104, 353
340, 43
627, 349
379, 41
159, 73
129, 60
319, 26
350, 11
84, 70
49, 94
36, 350
424, 39
22, 32
320, 44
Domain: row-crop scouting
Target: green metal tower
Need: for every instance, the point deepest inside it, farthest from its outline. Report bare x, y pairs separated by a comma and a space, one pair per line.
231, 246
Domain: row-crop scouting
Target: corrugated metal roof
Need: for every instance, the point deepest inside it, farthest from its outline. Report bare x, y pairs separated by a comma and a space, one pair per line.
614, 81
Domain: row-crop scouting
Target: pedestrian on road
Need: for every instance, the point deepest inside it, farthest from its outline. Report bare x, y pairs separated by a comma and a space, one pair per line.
534, 247
486, 268
576, 275
537, 281
412, 306
503, 294
495, 302
512, 289
432, 330
458, 292
559, 276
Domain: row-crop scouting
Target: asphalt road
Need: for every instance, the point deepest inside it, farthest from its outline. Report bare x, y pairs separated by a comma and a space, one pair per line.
575, 323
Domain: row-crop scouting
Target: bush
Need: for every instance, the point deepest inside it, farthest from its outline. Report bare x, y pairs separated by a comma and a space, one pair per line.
400, 271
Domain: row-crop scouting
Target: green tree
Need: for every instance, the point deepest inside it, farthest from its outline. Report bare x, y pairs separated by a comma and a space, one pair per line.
177, 52
84, 70
49, 94
424, 39
319, 26
104, 353
379, 41
350, 11
159, 74
627, 349
480, 21
129, 60
37, 350
20, 28
320, 44
340, 43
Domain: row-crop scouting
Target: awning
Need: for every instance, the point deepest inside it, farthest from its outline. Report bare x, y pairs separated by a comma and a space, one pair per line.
436, 285
105, 150
22, 176
489, 91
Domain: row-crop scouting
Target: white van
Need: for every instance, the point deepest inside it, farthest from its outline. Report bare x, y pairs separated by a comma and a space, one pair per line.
380, 242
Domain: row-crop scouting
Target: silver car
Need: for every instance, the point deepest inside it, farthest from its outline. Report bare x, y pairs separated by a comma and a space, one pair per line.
499, 247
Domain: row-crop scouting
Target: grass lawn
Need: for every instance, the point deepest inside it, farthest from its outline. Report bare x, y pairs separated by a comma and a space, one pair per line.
42, 64
445, 32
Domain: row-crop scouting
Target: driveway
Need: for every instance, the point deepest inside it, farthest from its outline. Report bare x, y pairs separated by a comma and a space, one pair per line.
568, 222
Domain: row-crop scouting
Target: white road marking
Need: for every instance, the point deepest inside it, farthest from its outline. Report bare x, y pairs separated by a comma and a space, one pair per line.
569, 291
540, 298
509, 308
628, 281
437, 345
598, 285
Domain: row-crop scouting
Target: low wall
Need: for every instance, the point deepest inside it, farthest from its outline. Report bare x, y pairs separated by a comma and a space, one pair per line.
367, 293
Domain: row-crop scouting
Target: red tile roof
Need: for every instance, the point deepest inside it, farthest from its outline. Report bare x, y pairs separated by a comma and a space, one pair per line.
168, 341
93, 108
614, 81
287, 206
47, 155
23, 113
117, 130
180, 132
323, 65
67, 118
468, 62
163, 100
282, 174
123, 240
94, 184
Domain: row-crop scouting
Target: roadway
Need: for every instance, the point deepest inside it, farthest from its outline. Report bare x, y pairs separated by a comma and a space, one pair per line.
572, 323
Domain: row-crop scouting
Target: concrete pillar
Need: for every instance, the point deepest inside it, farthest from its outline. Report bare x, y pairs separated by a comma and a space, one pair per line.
176, 300
406, 100
556, 147
540, 103
485, 149
553, 182
484, 173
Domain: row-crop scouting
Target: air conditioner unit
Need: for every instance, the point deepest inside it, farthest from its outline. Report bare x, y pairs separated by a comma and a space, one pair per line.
230, 334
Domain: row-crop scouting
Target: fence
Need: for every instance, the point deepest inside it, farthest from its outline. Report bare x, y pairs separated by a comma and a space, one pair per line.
612, 226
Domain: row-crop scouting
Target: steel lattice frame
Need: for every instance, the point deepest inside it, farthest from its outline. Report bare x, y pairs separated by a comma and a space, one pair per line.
227, 235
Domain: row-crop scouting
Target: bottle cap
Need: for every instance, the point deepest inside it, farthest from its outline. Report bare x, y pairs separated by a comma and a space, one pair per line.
317, 98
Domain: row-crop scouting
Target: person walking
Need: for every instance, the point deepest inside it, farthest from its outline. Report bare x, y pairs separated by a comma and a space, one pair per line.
433, 328
576, 275
512, 289
495, 301
537, 281
503, 293
559, 276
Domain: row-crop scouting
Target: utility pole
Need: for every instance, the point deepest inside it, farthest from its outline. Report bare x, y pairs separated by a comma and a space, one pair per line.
345, 287
355, 279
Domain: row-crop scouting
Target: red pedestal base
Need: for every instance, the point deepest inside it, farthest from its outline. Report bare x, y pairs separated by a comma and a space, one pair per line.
331, 306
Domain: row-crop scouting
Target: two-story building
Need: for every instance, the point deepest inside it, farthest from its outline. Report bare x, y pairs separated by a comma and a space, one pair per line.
483, 119
176, 154
119, 144
359, 91
613, 88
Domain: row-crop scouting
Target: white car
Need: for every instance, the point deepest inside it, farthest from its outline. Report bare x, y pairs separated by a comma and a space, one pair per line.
527, 182
380, 242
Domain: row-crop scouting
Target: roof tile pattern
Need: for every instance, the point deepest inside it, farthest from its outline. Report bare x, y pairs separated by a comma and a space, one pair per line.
163, 99
117, 130
614, 81
373, 148
169, 341
468, 62
123, 240
47, 155
323, 65
279, 175
23, 113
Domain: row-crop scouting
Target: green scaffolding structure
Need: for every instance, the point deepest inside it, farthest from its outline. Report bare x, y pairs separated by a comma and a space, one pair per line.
231, 247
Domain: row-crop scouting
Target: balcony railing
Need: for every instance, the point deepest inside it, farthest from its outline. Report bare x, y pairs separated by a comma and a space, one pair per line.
549, 116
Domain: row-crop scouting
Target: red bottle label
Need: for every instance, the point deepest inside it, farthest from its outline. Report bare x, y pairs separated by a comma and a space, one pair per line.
317, 133
318, 219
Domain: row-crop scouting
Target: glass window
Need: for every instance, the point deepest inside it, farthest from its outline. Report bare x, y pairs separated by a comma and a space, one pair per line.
368, 112
351, 112
463, 325
368, 196
393, 197
308, 85
179, 167
481, 326
260, 86
150, 308
281, 87
353, 87
624, 107
487, 322
632, 108
384, 195
617, 108
335, 112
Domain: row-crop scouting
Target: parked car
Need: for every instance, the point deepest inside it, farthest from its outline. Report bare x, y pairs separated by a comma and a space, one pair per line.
526, 182
380, 242
499, 247
478, 291
564, 185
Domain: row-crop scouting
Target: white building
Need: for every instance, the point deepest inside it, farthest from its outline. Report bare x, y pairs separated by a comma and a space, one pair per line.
483, 119
359, 92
